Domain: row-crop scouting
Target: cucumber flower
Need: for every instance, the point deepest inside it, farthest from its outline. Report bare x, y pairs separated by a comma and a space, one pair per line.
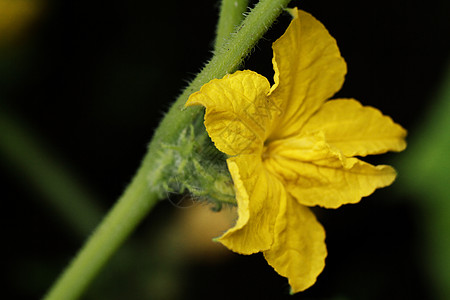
289, 149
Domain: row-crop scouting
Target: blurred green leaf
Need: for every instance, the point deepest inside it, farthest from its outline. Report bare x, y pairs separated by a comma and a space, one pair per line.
424, 175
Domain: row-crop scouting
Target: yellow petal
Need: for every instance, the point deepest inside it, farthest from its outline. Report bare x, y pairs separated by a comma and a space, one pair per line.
258, 195
299, 250
317, 174
237, 111
356, 130
309, 69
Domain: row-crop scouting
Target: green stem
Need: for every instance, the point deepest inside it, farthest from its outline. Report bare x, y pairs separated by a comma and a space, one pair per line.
226, 60
129, 210
141, 195
230, 17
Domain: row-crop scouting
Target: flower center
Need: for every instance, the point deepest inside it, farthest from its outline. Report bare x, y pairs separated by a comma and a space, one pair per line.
266, 151
269, 160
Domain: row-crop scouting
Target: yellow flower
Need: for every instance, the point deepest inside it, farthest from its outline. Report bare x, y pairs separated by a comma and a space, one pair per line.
16, 16
289, 148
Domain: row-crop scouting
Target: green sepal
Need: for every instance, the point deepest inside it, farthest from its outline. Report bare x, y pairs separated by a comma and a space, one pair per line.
194, 165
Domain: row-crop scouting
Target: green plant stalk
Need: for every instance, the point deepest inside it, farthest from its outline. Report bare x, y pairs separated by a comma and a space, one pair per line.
142, 194
225, 60
231, 16
130, 209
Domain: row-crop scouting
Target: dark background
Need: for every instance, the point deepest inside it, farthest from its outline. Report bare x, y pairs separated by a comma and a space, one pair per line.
90, 80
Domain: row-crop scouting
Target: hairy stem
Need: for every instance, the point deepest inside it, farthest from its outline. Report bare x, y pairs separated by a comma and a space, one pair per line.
142, 194
230, 17
129, 210
226, 60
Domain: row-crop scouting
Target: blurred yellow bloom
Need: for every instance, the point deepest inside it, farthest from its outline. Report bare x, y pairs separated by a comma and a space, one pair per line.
289, 148
16, 15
